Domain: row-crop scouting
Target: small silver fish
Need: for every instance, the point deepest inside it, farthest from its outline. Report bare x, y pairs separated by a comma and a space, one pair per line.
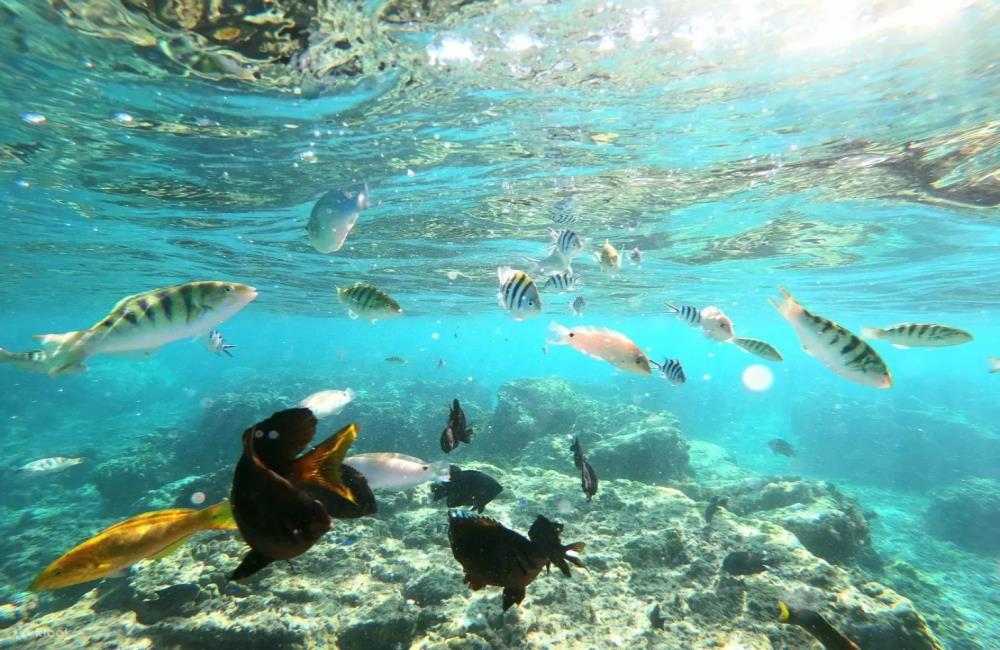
578, 306
566, 242
217, 345
636, 256
333, 217
994, 363
561, 281
564, 211
758, 348
391, 471
47, 466
518, 293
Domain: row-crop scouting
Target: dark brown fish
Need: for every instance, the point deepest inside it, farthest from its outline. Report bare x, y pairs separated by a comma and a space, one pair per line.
491, 554
816, 625
588, 477
782, 447
467, 487
714, 504
272, 494
457, 430
745, 563
338, 507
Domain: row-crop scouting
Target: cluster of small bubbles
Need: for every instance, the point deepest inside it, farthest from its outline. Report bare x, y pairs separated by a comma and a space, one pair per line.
564, 507
411, 173
308, 156
198, 498
435, 336
33, 118
707, 377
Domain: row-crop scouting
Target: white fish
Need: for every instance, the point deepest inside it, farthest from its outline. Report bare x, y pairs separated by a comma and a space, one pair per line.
47, 466
556, 262
217, 345
391, 471
994, 363
834, 345
328, 402
333, 217
716, 325
518, 293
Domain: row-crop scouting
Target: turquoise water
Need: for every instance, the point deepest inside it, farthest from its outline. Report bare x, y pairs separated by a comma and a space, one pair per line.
848, 152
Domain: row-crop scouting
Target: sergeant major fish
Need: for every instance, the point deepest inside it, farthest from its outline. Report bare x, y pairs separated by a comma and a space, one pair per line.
564, 211
834, 346
518, 293
561, 281
46, 466
604, 344
147, 321
217, 345
368, 301
916, 335
672, 370
333, 217
712, 322
567, 243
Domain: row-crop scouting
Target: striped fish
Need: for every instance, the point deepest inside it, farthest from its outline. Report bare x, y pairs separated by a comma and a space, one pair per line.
217, 345
564, 211
759, 348
518, 293
672, 370
687, 313
561, 281
566, 242
368, 301
916, 335
835, 347
147, 321
48, 466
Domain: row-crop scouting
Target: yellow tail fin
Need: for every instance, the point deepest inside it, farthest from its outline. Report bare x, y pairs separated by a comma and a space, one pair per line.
218, 517
321, 466
784, 613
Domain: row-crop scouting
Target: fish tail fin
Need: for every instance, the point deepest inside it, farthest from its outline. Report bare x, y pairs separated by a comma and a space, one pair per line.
572, 553
787, 305
994, 363
218, 517
441, 471
558, 334
673, 309
64, 351
871, 333
321, 466
438, 491
784, 612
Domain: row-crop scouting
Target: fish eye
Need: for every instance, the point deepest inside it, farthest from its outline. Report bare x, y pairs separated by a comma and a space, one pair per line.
571, 334
57, 572
229, 288
426, 467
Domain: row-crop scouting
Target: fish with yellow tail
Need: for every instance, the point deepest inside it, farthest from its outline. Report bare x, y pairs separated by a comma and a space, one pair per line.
917, 335
148, 536
834, 345
609, 258
813, 623
146, 321
604, 344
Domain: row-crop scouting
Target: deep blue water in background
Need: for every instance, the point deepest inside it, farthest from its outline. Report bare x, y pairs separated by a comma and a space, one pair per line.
850, 156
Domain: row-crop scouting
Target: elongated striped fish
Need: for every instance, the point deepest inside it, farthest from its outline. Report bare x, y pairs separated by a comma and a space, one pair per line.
368, 301
34, 361
672, 370
561, 281
47, 466
567, 242
916, 335
518, 293
564, 211
147, 321
759, 348
687, 313
835, 346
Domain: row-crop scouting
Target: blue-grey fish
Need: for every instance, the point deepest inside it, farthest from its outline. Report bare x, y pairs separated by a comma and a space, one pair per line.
567, 242
578, 306
672, 370
333, 217
518, 293
564, 211
636, 256
147, 321
561, 281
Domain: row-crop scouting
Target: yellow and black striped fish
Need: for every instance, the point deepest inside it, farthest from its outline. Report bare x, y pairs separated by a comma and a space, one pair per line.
835, 346
368, 301
518, 293
147, 321
758, 348
917, 335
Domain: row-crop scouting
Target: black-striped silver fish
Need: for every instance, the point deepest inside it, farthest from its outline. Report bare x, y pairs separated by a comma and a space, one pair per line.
147, 321
916, 335
35, 361
687, 313
368, 301
835, 346
672, 370
567, 242
217, 345
518, 293
758, 348
564, 211
561, 281
48, 466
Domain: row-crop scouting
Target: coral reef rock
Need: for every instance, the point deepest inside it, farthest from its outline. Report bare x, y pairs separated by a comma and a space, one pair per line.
968, 514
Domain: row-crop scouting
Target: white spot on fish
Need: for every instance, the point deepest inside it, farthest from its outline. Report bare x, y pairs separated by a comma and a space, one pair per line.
198, 498
272, 435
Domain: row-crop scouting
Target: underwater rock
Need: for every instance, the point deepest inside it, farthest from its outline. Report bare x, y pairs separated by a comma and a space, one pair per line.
652, 451
528, 409
968, 514
126, 477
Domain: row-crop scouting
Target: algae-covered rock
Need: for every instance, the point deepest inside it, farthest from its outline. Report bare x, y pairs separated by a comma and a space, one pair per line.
124, 479
968, 514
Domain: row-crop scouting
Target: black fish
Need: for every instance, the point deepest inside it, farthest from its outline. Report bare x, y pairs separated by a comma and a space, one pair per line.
339, 507
745, 563
782, 447
588, 477
467, 488
272, 496
656, 619
457, 430
817, 626
491, 554
714, 504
